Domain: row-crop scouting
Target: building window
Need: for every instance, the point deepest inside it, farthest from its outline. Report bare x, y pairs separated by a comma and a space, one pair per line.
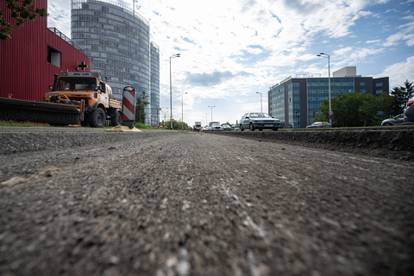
53, 56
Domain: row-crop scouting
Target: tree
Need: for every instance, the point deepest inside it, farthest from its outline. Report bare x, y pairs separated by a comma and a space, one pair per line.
356, 109
401, 95
142, 101
176, 124
21, 11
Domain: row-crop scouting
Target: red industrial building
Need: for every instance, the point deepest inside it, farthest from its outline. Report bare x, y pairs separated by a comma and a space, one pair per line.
34, 54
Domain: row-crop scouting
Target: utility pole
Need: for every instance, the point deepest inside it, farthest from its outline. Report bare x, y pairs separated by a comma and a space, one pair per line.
211, 107
329, 85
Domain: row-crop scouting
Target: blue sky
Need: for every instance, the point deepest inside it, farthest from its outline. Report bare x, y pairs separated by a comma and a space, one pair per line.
231, 49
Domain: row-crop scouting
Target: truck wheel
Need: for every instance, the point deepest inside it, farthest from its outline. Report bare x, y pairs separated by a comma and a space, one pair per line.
98, 118
115, 118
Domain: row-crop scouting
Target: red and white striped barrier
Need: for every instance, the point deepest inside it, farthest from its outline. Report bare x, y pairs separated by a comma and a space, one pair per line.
128, 106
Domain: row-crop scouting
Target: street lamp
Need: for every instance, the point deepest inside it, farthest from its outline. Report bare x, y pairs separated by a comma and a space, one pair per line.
329, 84
182, 109
211, 107
261, 102
171, 57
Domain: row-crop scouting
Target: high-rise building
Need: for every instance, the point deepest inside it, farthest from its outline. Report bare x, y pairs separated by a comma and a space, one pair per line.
296, 101
155, 84
118, 43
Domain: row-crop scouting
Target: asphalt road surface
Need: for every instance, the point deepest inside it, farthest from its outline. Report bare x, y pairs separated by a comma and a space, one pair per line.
171, 203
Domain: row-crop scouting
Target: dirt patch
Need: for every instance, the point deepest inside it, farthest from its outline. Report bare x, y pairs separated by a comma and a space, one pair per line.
396, 144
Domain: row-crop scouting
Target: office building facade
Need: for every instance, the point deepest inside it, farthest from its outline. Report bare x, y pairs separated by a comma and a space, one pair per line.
118, 44
296, 101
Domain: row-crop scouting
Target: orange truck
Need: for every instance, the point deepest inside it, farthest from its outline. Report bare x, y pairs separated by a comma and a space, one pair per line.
89, 94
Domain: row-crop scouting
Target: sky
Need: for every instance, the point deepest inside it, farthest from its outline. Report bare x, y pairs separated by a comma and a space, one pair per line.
232, 49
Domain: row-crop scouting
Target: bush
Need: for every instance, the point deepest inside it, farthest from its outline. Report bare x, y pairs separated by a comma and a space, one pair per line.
356, 109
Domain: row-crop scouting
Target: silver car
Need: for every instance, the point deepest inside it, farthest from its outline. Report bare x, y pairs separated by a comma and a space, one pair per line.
214, 126
319, 125
396, 120
258, 120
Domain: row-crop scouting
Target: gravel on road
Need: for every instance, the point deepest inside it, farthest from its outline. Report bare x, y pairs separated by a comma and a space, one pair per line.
171, 203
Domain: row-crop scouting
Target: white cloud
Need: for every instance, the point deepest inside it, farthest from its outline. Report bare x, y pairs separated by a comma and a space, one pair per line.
59, 15
400, 72
405, 34
353, 55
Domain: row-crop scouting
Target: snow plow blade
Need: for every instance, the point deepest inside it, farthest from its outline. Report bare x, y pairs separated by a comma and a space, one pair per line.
37, 111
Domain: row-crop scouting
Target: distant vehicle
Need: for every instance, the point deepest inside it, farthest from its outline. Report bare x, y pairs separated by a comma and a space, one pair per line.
319, 125
397, 120
227, 126
197, 126
258, 120
214, 126
409, 110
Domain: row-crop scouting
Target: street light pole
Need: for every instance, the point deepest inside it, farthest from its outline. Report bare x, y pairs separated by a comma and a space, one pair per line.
182, 109
211, 107
171, 122
261, 101
329, 84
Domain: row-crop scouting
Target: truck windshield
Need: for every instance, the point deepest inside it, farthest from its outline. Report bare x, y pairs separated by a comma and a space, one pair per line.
73, 84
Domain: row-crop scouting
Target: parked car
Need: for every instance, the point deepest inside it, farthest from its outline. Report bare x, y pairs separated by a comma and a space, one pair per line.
227, 126
409, 110
258, 120
319, 125
214, 126
396, 120
197, 126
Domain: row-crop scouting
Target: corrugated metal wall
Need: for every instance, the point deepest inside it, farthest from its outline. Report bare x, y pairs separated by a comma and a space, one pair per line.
24, 70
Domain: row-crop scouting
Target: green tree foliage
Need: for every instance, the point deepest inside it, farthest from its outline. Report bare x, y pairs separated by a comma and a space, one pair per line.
21, 11
356, 109
142, 101
176, 125
401, 95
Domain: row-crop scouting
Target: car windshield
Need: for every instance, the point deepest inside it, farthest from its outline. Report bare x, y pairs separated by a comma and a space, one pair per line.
73, 84
259, 115
214, 124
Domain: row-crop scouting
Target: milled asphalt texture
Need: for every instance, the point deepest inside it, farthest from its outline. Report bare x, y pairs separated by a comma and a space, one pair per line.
88, 202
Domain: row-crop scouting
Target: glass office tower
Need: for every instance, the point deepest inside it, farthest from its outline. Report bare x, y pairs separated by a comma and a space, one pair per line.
118, 43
